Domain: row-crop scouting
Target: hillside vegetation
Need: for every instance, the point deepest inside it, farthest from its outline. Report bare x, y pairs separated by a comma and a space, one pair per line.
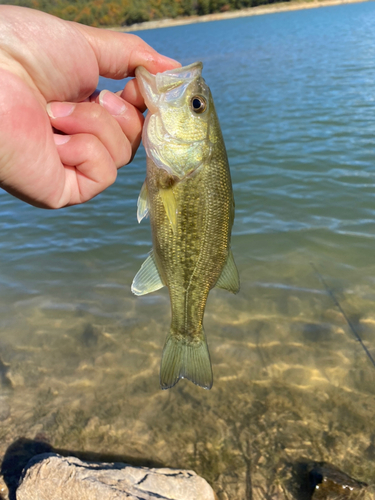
127, 12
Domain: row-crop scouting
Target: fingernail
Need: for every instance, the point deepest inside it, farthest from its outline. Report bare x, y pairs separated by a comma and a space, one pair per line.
61, 139
60, 109
112, 103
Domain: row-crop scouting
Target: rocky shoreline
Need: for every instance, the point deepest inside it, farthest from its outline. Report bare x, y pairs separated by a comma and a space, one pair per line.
50, 476
220, 16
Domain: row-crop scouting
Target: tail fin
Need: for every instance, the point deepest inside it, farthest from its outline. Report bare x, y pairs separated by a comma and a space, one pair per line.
184, 358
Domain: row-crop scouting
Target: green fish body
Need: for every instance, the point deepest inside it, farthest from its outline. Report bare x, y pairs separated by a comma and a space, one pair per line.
188, 196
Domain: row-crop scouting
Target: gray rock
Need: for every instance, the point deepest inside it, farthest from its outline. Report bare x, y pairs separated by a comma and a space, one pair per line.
52, 477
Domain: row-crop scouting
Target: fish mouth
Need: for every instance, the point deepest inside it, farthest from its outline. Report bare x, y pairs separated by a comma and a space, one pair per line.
188, 72
198, 65
175, 153
152, 85
175, 77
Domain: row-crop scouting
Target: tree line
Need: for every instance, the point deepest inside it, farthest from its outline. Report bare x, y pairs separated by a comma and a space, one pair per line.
128, 12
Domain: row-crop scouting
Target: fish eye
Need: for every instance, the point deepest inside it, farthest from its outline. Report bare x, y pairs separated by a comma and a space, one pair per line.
198, 104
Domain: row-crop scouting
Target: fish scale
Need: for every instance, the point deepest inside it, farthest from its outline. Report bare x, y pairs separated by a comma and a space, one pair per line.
191, 210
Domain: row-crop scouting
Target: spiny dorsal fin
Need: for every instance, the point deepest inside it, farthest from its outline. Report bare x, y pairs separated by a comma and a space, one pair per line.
170, 206
147, 279
229, 279
142, 204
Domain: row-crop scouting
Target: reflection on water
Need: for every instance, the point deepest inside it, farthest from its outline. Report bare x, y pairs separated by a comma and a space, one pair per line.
79, 355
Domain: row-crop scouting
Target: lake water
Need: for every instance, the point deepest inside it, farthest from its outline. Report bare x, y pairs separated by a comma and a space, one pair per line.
79, 354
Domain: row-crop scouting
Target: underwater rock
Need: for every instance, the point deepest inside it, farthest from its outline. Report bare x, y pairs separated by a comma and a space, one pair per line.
52, 477
329, 482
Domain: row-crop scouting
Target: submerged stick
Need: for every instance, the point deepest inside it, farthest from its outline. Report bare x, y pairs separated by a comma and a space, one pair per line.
350, 324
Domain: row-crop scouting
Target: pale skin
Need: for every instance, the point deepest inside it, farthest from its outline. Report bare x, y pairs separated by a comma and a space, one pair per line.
49, 71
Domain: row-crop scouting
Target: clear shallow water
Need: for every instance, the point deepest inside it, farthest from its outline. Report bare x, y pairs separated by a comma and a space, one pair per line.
80, 355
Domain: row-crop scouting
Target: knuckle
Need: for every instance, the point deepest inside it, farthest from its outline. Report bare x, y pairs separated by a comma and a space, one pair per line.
96, 111
98, 154
93, 147
125, 155
134, 39
111, 175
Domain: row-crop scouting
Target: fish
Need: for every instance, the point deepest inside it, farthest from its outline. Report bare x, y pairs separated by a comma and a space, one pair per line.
188, 196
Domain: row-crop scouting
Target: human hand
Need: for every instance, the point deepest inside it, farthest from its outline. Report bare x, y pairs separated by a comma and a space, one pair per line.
49, 68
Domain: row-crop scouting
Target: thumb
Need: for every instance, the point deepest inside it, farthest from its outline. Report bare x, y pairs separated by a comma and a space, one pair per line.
118, 54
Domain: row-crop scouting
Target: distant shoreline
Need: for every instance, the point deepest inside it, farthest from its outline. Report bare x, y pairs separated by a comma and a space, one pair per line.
251, 11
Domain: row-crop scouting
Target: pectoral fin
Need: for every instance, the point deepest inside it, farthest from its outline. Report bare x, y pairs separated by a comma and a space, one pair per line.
170, 206
142, 204
229, 278
147, 279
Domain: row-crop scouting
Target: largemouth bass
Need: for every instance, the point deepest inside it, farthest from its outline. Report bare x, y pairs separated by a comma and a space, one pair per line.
188, 196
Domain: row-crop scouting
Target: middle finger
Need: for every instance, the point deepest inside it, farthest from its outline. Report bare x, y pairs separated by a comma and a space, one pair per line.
90, 118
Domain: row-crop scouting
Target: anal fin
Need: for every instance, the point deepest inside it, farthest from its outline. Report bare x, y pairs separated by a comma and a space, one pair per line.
147, 279
229, 278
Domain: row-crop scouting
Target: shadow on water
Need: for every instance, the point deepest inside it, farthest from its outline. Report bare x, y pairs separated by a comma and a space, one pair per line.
22, 450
